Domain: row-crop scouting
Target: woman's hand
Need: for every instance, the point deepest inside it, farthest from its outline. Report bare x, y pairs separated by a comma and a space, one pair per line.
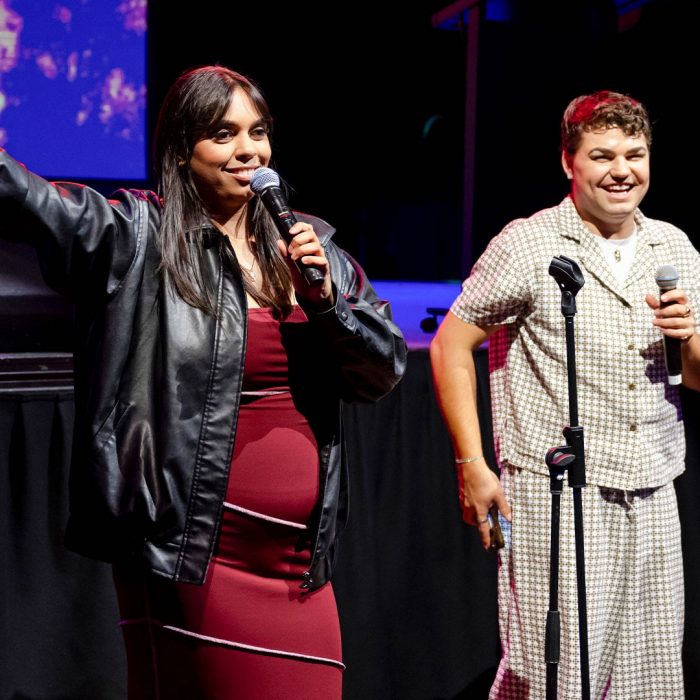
307, 249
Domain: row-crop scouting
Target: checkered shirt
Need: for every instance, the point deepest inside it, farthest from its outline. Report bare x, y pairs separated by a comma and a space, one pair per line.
631, 416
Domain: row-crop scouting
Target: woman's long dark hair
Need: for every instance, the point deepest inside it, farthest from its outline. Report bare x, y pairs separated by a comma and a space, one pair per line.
193, 108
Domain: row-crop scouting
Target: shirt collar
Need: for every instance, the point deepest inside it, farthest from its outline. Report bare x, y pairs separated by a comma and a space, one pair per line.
574, 228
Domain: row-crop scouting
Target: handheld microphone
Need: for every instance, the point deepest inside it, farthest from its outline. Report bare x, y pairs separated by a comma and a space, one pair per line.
265, 182
667, 279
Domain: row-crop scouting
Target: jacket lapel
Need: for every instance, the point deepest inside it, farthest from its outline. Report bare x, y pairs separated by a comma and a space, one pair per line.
590, 254
645, 256
592, 259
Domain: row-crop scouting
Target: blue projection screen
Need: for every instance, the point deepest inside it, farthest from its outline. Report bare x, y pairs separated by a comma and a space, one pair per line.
73, 86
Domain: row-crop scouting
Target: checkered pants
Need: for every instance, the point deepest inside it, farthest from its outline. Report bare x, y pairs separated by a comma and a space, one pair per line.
634, 584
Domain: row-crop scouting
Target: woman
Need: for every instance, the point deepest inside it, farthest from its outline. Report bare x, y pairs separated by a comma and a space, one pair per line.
208, 446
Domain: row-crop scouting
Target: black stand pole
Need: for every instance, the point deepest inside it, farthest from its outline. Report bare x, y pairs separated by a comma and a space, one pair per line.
570, 280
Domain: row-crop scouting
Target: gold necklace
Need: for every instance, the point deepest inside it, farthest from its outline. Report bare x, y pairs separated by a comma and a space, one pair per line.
249, 270
617, 254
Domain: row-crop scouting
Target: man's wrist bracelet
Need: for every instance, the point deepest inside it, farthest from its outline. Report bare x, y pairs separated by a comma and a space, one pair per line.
466, 460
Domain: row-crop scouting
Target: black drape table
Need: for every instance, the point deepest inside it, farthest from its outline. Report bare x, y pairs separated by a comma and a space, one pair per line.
416, 593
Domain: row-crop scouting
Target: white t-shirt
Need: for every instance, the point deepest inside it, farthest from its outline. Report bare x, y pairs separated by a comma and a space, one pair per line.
619, 252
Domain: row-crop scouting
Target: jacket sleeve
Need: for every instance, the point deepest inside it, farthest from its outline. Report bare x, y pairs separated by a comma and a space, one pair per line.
368, 346
85, 241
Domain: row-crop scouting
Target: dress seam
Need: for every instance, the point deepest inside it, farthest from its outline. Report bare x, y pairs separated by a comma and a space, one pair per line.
262, 516
234, 645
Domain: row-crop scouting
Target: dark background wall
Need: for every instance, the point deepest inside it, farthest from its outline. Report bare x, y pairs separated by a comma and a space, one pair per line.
354, 90
353, 93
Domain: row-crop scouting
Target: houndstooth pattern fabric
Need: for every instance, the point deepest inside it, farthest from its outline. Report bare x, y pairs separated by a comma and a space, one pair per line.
634, 447
634, 577
633, 429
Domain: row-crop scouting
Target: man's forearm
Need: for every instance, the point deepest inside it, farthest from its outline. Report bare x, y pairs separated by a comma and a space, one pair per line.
455, 386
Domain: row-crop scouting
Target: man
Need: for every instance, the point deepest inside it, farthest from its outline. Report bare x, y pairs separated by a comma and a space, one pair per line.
633, 431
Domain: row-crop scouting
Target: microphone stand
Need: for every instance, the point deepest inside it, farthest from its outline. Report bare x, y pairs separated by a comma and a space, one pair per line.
568, 276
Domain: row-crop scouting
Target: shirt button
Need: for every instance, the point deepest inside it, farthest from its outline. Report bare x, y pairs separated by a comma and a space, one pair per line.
630, 346
633, 427
344, 315
633, 386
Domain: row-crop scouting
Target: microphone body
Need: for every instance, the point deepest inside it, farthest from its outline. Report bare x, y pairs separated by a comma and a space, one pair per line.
667, 279
265, 183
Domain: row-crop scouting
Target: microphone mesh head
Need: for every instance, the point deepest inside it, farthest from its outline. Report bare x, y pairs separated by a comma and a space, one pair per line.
667, 277
263, 178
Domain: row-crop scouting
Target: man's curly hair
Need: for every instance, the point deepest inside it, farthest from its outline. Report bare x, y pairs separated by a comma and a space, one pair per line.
602, 110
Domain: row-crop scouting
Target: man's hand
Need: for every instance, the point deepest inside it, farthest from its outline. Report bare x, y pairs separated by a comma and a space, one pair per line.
479, 489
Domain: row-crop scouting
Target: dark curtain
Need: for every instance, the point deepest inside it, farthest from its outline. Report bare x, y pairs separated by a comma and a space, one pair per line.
58, 618
688, 493
416, 593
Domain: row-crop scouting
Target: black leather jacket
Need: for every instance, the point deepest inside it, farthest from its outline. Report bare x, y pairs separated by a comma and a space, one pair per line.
157, 382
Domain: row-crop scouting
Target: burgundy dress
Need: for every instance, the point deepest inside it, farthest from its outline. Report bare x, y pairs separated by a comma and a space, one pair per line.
249, 631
